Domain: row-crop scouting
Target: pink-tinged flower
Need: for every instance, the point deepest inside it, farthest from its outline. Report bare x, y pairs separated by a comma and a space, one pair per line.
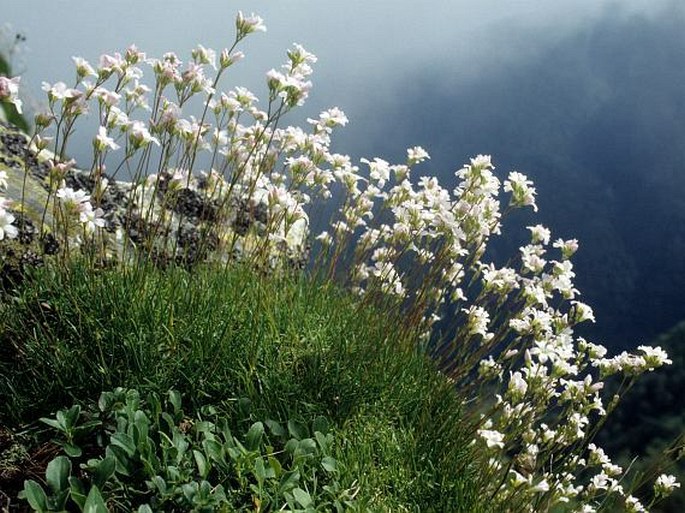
83, 68
227, 59
109, 98
60, 91
102, 141
6, 228
246, 25
9, 91
133, 55
298, 56
140, 136
567, 247
204, 55
110, 64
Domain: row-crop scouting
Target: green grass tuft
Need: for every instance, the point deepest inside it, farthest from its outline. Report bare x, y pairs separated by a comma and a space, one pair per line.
255, 348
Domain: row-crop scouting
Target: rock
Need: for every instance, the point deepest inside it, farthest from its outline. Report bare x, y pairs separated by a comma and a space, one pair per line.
171, 222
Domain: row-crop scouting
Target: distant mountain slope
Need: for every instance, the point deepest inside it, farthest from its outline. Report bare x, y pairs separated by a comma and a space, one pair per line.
598, 121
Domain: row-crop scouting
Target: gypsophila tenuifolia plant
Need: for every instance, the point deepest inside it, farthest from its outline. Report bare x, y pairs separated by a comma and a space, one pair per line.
147, 455
535, 388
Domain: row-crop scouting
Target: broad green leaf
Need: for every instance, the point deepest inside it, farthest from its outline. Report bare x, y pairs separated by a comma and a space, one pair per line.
329, 464
52, 423
201, 462
276, 428
73, 451
144, 508
57, 474
259, 470
289, 480
303, 497
77, 492
124, 441
71, 416
104, 470
175, 400
214, 450
321, 425
35, 495
297, 430
94, 502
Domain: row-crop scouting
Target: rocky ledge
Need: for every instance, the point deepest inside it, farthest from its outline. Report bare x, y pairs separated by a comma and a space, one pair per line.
171, 221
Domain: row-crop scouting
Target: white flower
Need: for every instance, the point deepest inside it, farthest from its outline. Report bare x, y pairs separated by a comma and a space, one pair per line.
665, 485
103, 141
204, 55
6, 228
246, 25
522, 192
73, 200
416, 155
567, 247
91, 218
3, 179
140, 136
539, 234
654, 357
492, 438
517, 386
633, 505
83, 68
478, 321
60, 91
380, 170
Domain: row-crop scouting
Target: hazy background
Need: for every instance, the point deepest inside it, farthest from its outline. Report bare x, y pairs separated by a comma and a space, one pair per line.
585, 96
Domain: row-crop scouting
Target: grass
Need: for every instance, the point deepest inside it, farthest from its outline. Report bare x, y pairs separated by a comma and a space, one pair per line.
255, 348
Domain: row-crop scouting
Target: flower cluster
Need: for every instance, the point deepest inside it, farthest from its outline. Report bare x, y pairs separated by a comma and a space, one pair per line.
9, 92
415, 245
7, 229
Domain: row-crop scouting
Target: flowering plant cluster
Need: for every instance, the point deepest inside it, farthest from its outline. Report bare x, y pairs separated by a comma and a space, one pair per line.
412, 245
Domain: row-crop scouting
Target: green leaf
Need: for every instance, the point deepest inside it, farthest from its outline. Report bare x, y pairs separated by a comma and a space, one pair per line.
254, 436
201, 462
71, 416
124, 441
329, 464
259, 470
275, 466
321, 425
297, 430
94, 502
289, 480
52, 423
214, 450
73, 451
77, 492
144, 508
104, 470
276, 428
35, 495
175, 400
57, 474
303, 497
323, 441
